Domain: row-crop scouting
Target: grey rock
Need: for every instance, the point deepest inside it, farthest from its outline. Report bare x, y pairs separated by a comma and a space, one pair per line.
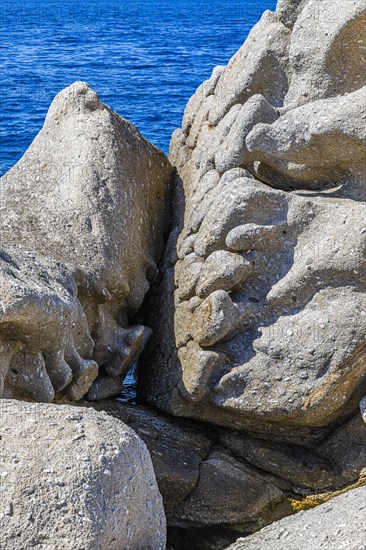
270, 342
339, 523
317, 143
92, 194
222, 271
363, 408
326, 51
201, 482
75, 478
176, 447
233, 151
345, 449
336, 460
289, 10
218, 497
46, 347
205, 474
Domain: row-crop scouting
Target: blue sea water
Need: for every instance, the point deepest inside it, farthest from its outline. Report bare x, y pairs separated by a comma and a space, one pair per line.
144, 58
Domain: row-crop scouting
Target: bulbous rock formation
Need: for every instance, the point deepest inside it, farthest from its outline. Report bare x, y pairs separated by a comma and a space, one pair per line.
93, 195
45, 344
260, 317
75, 478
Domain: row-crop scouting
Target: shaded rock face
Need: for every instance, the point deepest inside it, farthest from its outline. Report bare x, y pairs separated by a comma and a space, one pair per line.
336, 524
260, 316
75, 478
92, 194
216, 482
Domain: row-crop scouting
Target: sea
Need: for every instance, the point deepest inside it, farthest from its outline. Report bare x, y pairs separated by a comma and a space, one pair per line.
144, 58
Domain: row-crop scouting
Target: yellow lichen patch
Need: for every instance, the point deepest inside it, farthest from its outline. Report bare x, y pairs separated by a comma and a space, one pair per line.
314, 500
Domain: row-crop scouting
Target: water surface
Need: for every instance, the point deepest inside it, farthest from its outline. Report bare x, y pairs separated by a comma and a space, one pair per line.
144, 58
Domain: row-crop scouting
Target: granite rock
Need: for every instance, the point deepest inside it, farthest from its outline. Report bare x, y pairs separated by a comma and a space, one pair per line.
263, 290
339, 523
75, 478
93, 195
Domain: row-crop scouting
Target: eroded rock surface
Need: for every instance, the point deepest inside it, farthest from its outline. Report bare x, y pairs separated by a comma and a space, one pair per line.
46, 347
260, 316
93, 195
339, 523
216, 482
75, 478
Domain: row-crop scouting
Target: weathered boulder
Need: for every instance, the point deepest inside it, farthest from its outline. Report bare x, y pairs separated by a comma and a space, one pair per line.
216, 482
94, 195
259, 320
45, 345
75, 478
177, 447
339, 523
202, 483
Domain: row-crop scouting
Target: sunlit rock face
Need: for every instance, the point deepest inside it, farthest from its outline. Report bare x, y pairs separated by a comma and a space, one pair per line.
260, 318
92, 196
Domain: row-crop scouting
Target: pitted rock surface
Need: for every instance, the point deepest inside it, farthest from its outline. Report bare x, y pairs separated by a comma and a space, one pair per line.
93, 195
75, 478
339, 523
260, 320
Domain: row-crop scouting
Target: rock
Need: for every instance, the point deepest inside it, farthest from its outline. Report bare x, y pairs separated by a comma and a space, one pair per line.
317, 143
233, 151
259, 323
218, 498
176, 447
339, 523
75, 478
93, 195
337, 459
363, 408
46, 347
201, 482
205, 474
222, 271
326, 51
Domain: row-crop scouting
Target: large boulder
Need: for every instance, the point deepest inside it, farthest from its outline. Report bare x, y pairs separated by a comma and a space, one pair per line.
339, 523
92, 194
75, 478
259, 318
45, 344
216, 482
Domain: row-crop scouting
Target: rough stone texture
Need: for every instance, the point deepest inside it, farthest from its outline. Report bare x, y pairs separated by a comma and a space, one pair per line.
216, 482
75, 478
201, 481
338, 524
176, 447
260, 320
92, 194
363, 408
40, 311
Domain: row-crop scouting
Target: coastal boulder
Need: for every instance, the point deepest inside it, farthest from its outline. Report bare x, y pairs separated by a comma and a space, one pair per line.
75, 478
45, 345
339, 523
92, 194
263, 291
205, 474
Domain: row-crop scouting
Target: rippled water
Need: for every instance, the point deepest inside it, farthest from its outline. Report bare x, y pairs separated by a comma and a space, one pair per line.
145, 58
